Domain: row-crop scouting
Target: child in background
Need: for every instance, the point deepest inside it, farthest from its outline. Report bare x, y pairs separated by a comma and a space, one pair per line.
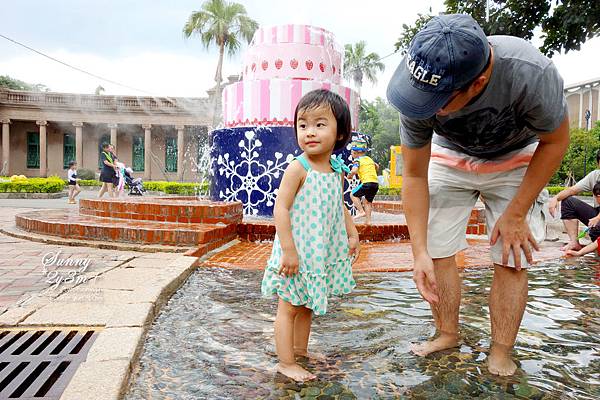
316, 239
366, 169
74, 188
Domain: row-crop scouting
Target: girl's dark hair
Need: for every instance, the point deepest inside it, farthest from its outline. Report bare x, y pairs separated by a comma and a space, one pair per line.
598, 156
105, 145
596, 189
71, 163
323, 97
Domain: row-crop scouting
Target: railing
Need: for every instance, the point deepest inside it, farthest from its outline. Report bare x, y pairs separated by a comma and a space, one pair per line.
191, 105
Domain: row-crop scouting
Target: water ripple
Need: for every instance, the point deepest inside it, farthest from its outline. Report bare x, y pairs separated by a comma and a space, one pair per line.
214, 340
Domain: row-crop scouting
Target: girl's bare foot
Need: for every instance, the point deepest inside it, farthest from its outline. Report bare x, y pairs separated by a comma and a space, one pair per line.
441, 343
295, 372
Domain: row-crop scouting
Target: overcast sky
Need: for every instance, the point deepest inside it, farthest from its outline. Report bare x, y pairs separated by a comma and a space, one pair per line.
140, 44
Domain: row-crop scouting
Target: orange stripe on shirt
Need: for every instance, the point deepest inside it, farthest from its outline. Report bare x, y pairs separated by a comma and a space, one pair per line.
483, 167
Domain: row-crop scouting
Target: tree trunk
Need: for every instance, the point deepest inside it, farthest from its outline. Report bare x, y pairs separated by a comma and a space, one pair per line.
218, 79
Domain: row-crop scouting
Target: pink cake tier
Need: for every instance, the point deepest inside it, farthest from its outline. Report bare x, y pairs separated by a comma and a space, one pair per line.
271, 102
293, 52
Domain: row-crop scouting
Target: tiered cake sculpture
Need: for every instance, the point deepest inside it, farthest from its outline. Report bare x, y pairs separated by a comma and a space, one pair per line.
281, 65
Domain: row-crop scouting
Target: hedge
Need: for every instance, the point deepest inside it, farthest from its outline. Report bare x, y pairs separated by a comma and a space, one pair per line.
33, 185
553, 190
387, 191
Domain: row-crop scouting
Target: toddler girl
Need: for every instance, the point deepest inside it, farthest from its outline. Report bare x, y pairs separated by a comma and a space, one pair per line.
316, 238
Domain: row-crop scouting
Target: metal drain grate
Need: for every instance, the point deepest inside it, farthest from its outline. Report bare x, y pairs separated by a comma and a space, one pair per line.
38, 364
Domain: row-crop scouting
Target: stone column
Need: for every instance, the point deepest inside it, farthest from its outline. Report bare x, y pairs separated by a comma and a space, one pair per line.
78, 143
113, 136
180, 151
147, 150
591, 108
580, 125
5, 166
43, 149
598, 104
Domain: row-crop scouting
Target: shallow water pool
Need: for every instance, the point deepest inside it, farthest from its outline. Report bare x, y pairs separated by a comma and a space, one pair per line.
214, 340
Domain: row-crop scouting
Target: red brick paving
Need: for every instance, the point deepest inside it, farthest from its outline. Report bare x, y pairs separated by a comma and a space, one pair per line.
374, 257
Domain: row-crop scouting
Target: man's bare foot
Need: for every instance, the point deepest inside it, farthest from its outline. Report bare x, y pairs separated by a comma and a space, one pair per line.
310, 355
501, 364
441, 343
295, 372
572, 246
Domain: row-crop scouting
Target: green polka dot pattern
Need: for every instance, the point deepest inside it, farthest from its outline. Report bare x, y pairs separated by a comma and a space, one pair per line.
319, 233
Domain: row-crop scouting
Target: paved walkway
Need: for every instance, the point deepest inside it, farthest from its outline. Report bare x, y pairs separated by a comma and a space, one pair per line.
374, 257
29, 268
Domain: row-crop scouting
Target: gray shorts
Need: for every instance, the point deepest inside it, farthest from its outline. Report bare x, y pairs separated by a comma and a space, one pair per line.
455, 183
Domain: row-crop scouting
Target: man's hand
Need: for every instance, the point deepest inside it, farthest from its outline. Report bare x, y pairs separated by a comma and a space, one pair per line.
424, 277
515, 235
594, 221
289, 263
552, 204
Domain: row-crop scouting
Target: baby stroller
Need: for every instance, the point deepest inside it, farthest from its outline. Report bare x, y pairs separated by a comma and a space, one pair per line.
136, 186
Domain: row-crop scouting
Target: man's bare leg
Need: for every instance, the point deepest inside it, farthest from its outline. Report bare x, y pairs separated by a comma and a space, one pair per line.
508, 299
445, 312
572, 227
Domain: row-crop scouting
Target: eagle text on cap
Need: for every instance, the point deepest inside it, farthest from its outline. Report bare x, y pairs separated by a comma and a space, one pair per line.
420, 73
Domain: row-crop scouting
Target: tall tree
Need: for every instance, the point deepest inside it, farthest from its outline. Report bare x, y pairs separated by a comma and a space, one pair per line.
564, 27
379, 120
359, 65
223, 24
16, 84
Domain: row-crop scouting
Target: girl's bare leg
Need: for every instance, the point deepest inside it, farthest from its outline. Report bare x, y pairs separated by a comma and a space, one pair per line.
302, 326
284, 342
76, 191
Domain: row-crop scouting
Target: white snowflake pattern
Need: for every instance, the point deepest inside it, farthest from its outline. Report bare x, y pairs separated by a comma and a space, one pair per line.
250, 178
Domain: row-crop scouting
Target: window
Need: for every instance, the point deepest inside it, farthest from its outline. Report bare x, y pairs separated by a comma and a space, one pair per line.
103, 139
137, 149
33, 149
68, 149
171, 154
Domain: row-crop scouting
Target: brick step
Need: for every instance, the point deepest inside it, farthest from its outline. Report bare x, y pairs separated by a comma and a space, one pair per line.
255, 231
164, 209
64, 224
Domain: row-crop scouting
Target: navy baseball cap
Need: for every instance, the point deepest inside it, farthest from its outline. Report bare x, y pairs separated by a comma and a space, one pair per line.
444, 56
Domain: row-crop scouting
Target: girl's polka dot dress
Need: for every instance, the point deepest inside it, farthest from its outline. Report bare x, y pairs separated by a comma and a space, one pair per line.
319, 233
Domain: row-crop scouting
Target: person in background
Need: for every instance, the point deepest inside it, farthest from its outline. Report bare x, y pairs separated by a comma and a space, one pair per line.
573, 210
72, 179
366, 169
107, 173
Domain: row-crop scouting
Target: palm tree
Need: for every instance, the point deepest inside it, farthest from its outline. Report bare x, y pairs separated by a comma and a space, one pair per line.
358, 65
224, 24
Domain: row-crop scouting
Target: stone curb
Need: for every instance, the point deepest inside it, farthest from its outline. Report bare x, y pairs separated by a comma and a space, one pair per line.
131, 295
34, 237
30, 196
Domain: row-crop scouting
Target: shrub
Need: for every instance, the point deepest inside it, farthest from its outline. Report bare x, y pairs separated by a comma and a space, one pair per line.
90, 182
183, 188
52, 184
387, 191
189, 189
86, 174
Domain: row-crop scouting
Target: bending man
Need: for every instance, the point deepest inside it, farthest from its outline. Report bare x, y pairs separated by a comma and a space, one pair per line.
480, 116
